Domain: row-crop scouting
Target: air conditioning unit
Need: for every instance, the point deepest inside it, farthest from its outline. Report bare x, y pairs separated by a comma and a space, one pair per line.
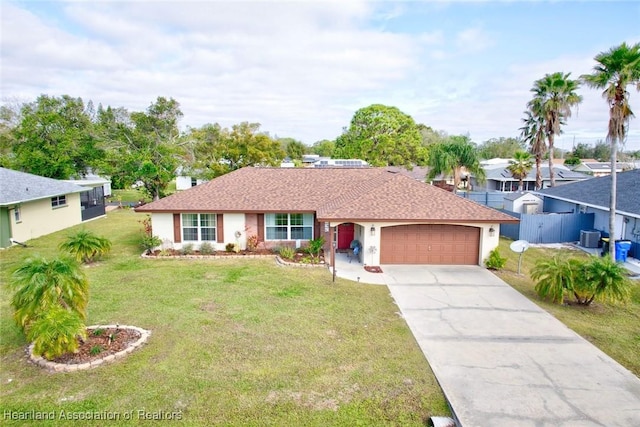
589, 239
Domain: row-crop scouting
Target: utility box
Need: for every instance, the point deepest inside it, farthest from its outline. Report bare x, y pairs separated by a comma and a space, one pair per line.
589, 239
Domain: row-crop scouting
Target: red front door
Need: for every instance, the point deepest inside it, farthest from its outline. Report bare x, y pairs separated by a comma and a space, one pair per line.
345, 235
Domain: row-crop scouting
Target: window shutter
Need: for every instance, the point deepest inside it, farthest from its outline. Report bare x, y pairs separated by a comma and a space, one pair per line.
176, 228
317, 230
261, 227
219, 228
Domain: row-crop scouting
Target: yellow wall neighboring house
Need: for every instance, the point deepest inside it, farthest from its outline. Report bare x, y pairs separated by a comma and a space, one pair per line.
38, 217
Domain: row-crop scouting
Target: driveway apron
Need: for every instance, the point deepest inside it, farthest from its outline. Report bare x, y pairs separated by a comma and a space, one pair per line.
503, 361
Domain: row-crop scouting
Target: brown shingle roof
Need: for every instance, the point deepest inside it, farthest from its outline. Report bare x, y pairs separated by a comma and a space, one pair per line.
334, 194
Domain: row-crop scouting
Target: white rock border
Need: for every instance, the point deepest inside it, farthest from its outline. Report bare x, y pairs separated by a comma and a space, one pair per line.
69, 367
144, 255
281, 261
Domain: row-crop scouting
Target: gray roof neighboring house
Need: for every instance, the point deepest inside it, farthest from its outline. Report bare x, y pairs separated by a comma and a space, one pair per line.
595, 192
19, 187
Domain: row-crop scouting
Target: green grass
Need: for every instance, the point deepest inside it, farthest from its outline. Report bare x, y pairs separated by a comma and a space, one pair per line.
614, 328
234, 342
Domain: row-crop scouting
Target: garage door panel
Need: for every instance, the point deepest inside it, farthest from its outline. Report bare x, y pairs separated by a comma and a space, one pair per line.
430, 244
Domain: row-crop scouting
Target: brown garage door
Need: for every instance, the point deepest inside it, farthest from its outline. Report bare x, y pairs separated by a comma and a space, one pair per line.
429, 244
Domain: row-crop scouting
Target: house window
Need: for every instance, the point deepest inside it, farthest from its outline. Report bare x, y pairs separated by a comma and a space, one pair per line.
199, 227
17, 216
58, 201
293, 226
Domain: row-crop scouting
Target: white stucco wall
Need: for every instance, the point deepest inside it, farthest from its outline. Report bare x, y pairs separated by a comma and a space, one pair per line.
235, 223
162, 225
38, 218
371, 244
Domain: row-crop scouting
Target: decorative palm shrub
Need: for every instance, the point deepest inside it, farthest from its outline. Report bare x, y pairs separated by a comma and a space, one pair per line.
495, 261
585, 280
315, 246
149, 243
85, 246
50, 303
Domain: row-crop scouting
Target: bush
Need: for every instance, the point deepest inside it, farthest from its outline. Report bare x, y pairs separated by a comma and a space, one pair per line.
585, 280
287, 252
187, 249
85, 246
252, 243
232, 247
315, 246
207, 248
495, 261
56, 332
149, 243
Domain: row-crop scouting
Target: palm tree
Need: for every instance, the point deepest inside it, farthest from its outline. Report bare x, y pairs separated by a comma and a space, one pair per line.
533, 134
604, 279
520, 166
554, 96
41, 285
615, 70
450, 157
86, 246
555, 276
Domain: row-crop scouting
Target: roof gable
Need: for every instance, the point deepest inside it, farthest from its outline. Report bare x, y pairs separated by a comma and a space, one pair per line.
334, 194
19, 187
596, 192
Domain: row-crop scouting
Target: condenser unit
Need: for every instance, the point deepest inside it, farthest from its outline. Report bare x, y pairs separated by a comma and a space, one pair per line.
589, 239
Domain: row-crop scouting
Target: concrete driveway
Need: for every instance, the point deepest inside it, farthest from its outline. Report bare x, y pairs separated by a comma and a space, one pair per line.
503, 361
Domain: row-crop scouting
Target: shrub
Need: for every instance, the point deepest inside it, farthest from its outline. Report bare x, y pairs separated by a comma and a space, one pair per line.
287, 252
315, 246
98, 332
85, 246
252, 243
207, 248
187, 249
56, 332
95, 350
232, 247
495, 261
595, 278
149, 243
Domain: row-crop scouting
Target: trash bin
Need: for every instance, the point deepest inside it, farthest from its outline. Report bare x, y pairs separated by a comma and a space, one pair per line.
605, 246
622, 249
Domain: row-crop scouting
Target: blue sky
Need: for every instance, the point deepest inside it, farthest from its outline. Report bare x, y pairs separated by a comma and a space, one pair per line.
302, 68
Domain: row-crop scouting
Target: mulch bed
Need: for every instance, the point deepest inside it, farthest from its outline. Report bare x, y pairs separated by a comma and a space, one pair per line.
373, 269
176, 252
110, 341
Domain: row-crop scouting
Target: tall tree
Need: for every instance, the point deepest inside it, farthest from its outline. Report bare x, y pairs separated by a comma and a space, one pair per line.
221, 150
520, 166
450, 157
615, 70
54, 138
144, 146
500, 147
323, 148
533, 134
554, 97
294, 149
383, 136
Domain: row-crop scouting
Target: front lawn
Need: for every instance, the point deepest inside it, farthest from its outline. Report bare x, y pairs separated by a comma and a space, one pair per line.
234, 342
615, 329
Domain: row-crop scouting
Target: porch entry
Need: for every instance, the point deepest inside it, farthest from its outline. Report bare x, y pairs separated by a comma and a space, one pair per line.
345, 235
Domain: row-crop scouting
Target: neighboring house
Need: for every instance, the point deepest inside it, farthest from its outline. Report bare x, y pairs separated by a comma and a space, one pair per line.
500, 179
340, 163
92, 201
598, 169
32, 206
184, 181
527, 203
396, 219
592, 196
